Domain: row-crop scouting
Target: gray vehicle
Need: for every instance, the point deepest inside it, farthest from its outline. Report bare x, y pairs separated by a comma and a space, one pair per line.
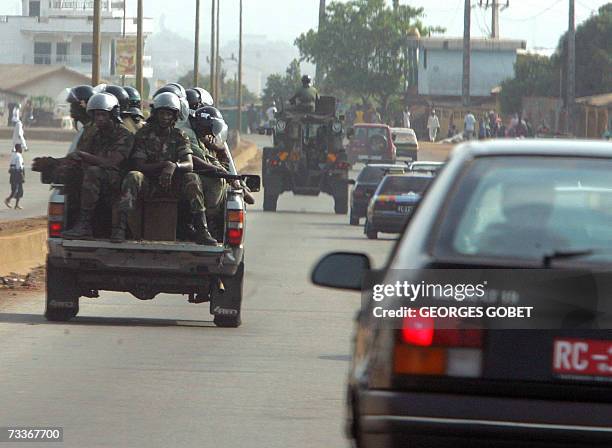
308, 157
541, 208
160, 260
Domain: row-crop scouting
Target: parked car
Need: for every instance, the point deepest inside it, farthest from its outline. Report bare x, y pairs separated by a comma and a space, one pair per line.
406, 142
425, 166
366, 183
521, 205
394, 201
371, 142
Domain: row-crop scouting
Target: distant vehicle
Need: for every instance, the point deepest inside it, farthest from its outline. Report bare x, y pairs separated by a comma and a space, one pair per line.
425, 166
394, 201
519, 205
406, 142
367, 181
308, 157
371, 142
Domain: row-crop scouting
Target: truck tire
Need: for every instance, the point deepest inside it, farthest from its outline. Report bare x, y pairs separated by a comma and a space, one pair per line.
370, 233
271, 193
341, 199
226, 307
62, 301
353, 219
264, 165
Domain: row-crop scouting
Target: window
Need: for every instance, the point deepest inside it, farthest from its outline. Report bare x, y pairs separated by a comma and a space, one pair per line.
86, 52
42, 52
61, 52
34, 9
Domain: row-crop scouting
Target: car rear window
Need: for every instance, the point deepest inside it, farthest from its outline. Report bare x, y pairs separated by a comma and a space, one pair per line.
373, 175
528, 207
404, 184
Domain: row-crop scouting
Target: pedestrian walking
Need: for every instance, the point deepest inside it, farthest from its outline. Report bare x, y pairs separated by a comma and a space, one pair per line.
469, 126
17, 177
433, 124
18, 136
406, 117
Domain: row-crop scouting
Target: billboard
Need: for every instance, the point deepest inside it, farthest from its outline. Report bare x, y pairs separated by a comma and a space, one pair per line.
125, 62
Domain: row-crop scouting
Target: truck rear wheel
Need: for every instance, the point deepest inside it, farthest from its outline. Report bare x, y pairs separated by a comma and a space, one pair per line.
272, 191
226, 307
341, 199
353, 219
62, 301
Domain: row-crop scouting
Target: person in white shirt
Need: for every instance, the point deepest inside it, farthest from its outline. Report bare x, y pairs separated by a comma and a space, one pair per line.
433, 124
406, 118
16, 113
270, 112
17, 177
469, 126
18, 136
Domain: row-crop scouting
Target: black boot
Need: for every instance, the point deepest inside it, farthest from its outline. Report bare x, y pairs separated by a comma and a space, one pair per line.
203, 236
119, 231
82, 228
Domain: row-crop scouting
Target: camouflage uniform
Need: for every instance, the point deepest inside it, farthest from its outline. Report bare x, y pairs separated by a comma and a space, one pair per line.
96, 179
214, 188
150, 148
305, 99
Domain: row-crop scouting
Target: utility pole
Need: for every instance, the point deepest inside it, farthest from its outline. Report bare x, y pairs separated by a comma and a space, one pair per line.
240, 72
571, 69
95, 51
139, 49
218, 86
319, 69
196, 48
213, 55
123, 35
496, 7
465, 85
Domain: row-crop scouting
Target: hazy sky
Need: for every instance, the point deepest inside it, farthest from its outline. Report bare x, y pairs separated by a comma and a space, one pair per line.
539, 22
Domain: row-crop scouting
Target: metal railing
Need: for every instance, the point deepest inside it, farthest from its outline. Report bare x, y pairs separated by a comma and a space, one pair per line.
76, 4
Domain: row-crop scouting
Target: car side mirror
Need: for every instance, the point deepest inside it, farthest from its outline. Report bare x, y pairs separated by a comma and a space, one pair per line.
341, 270
351, 182
350, 133
252, 181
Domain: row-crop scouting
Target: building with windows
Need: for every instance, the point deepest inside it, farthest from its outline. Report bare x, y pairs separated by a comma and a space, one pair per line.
59, 32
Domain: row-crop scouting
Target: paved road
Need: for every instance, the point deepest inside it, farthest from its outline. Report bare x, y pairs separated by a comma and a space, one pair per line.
127, 373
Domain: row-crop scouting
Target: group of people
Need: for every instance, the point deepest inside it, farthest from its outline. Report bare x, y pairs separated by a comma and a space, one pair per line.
16, 163
179, 151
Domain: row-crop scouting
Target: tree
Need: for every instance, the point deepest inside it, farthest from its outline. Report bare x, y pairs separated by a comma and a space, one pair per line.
280, 88
362, 47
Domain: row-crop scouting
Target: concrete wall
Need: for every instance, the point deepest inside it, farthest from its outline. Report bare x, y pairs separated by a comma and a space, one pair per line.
51, 85
441, 71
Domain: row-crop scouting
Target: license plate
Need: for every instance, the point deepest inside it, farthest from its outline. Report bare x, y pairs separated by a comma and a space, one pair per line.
582, 358
404, 208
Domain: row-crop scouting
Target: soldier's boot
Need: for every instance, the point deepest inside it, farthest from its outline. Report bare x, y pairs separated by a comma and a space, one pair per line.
203, 236
82, 228
120, 229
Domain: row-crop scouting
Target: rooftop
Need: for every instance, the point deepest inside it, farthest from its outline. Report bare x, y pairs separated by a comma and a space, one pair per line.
477, 44
14, 75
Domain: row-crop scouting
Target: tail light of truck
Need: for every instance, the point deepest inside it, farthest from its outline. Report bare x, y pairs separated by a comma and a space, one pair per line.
421, 349
234, 227
55, 219
342, 165
385, 203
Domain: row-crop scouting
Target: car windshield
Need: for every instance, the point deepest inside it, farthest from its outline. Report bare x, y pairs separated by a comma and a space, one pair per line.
397, 185
529, 207
373, 175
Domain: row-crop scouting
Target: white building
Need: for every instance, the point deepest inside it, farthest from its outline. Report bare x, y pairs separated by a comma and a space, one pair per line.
60, 32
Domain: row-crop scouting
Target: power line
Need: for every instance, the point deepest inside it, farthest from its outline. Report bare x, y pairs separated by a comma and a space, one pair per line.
525, 19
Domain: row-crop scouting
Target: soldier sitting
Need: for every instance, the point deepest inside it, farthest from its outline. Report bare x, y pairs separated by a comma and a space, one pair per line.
163, 162
305, 99
100, 158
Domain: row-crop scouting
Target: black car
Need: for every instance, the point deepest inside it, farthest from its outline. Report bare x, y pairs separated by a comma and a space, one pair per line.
365, 185
512, 205
394, 201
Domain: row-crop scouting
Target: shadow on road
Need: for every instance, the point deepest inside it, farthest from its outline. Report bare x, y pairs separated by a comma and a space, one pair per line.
37, 319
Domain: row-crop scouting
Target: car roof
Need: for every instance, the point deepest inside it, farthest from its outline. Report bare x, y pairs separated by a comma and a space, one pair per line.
403, 130
370, 125
411, 174
384, 166
534, 147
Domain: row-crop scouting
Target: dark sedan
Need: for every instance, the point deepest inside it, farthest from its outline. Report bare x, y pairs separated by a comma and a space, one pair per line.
394, 201
365, 186
540, 208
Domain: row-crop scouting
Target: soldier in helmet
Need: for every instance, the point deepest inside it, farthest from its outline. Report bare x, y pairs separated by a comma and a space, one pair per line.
101, 158
163, 160
135, 106
124, 105
306, 97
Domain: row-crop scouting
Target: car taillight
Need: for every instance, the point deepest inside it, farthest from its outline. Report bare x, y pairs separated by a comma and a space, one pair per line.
235, 227
385, 204
55, 219
343, 165
421, 349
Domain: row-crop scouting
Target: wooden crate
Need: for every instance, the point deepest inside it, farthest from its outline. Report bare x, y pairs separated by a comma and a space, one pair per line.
159, 223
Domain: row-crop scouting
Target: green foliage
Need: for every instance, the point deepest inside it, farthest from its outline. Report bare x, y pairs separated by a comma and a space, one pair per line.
280, 88
362, 47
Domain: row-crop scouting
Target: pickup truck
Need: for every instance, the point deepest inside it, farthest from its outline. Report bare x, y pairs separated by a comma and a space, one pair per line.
157, 261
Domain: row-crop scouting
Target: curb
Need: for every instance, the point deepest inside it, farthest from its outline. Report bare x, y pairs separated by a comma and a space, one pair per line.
26, 250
